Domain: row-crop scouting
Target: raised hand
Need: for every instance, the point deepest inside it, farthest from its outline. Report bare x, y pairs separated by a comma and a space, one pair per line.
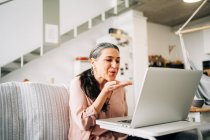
106, 92
113, 85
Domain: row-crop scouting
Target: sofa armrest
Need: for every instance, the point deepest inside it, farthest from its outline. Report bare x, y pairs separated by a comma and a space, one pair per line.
33, 111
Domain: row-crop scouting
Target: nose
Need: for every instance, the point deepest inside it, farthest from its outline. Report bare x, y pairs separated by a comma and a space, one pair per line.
115, 64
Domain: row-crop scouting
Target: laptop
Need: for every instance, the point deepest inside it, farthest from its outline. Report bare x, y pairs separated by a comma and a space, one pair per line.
166, 96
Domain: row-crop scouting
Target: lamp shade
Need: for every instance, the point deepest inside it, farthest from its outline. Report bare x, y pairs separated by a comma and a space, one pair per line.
191, 1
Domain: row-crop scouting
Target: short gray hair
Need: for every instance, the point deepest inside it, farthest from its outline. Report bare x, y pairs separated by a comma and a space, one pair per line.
96, 52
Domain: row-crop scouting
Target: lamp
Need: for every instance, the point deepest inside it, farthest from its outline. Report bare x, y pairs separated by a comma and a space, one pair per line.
191, 1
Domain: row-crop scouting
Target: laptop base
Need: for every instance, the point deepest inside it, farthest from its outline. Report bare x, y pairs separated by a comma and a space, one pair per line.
151, 131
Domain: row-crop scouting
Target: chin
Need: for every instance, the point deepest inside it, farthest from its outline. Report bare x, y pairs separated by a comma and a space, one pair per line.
111, 78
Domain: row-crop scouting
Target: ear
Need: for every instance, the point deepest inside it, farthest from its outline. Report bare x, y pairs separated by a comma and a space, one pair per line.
92, 62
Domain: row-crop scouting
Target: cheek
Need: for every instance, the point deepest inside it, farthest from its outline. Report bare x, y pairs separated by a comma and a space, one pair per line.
103, 69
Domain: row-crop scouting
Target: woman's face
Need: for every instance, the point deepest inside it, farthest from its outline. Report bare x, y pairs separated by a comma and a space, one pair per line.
107, 64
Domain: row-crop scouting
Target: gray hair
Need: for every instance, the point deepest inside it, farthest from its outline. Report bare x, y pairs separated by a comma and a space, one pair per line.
96, 52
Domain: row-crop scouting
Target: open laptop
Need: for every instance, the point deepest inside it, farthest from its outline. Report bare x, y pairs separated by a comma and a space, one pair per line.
166, 96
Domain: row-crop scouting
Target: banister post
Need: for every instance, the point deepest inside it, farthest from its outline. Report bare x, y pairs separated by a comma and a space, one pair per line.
75, 31
89, 23
126, 3
21, 61
103, 16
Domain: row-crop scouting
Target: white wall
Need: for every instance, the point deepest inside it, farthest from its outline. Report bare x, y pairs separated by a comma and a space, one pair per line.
77, 12
206, 35
194, 42
20, 28
159, 39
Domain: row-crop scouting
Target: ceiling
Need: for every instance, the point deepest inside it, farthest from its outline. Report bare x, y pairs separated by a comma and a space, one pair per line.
170, 12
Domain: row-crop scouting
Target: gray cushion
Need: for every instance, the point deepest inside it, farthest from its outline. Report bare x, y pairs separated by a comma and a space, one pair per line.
34, 111
9, 112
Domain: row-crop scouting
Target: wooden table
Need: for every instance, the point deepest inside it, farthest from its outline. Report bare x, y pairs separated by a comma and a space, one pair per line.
199, 114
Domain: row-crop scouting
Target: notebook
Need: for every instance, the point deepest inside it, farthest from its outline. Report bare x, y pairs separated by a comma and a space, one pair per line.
166, 96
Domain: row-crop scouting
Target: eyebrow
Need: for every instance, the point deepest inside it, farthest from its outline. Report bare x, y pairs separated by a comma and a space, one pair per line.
112, 57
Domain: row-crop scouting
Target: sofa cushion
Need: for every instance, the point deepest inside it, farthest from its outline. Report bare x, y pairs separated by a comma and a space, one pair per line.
9, 112
41, 113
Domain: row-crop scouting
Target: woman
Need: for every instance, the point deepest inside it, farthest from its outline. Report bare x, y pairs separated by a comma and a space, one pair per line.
96, 94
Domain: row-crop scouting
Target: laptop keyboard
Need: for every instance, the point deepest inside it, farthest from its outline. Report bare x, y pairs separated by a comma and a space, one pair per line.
125, 121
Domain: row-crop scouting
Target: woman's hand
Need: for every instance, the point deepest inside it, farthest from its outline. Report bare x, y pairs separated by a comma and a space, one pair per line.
109, 87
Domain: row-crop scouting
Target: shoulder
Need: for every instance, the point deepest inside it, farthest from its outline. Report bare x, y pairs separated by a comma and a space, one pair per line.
75, 82
75, 87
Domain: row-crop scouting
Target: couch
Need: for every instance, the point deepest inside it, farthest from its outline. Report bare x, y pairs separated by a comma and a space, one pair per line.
33, 111
38, 111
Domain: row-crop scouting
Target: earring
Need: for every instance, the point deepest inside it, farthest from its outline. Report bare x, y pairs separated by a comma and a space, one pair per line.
91, 71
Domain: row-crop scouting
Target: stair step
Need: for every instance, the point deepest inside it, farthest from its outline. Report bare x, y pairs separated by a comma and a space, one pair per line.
29, 57
18, 61
3, 73
67, 36
47, 48
82, 28
36, 51
16, 64
96, 20
9, 68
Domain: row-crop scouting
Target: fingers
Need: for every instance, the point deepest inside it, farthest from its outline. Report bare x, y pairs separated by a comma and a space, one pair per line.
125, 83
118, 84
111, 83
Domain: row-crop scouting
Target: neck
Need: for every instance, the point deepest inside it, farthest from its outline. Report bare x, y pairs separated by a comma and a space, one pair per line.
101, 81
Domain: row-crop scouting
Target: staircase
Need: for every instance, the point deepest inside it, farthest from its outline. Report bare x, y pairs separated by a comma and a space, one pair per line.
122, 7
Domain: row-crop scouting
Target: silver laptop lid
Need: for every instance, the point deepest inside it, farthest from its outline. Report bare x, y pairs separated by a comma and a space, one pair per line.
166, 96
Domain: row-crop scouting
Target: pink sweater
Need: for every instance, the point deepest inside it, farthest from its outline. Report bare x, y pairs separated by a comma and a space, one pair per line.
83, 115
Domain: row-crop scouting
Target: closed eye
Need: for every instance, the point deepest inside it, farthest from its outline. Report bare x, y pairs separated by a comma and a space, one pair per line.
109, 60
